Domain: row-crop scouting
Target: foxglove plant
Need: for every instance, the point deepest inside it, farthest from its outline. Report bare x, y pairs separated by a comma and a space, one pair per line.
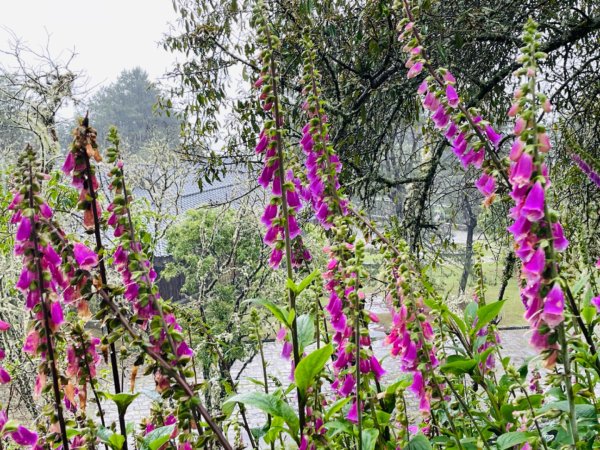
586, 168
41, 278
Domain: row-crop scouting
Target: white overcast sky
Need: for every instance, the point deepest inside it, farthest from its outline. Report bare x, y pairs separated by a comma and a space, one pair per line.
107, 35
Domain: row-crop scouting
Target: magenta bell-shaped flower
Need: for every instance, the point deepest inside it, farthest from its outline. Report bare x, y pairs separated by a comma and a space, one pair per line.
533, 207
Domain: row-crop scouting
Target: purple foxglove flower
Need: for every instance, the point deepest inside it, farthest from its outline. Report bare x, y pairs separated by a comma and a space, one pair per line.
24, 437
422, 87
520, 126
303, 443
286, 350
534, 268
494, 137
410, 356
586, 169
56, 314
486, 185
45, 210
293, 199
25, 279
334, 307
69, 164
339, 322
440, 118
262, 142
544, 144
24, 230
51, 257
86, 258
276, 188
4, 376
272, 234
4, 325
449, 78
267, 175
533, 207
539, 341
415, 70
452, 96
348, 386
514, 110
131, 292
281, 334
596, 302
323, 213
352, 415
520, 173
269, 214
275, 259
378, 371
429, 101
184, 351
293, 227
554, 306
424, 404
560, 241
451, 131
418, 385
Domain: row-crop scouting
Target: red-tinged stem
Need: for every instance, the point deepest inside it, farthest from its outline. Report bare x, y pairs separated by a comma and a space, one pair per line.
286, 215
46, 320
102, 266
168, 368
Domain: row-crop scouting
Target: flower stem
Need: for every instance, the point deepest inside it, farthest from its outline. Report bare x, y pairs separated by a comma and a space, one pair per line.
46, 320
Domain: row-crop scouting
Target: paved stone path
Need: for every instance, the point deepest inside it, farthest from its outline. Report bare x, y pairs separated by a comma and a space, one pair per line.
515, 344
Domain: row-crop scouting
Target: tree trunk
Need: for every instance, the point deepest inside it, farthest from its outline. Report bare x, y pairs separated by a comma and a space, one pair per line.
471, 221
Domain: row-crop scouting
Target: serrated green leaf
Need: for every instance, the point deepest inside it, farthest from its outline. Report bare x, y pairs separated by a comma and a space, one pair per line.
157, 438
487, 313
508, 440
419, 442
458, 365
310, 366
278, 312
307, 281
306, 331
369, 438
269, 404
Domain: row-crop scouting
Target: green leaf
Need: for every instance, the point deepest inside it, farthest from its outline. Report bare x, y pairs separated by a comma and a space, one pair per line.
310, 366
458, 365
419, 442
291, 285
157, 438
487, 313
116, 441
336, 427
269, 404
122, 400
583, 279
306, 331
308, 280
588, 313
335, 406
369, 438
511, 439
280, 313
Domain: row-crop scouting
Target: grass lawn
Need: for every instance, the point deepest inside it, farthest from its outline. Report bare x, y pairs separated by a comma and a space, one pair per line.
447, 278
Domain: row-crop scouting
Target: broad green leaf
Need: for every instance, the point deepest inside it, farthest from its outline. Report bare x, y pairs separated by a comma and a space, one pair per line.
157, 438
72, 432
308, 280
335, 406
588, 313
369, 438
336, 427
508, 440
419, 442
310, 366
487, 313
116, 441
269, 404
581, 410
280, 313
122, 400
306, 331
291, 286
581, 282
458, 365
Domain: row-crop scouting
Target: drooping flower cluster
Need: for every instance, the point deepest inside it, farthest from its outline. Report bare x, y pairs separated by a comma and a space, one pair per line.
322, 164
346, 313
137, 274
280, 215
411, 335
537, 233
469, 135
586, 168
82, 174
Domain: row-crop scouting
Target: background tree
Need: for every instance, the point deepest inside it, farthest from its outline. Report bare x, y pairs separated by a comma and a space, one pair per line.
128, 103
